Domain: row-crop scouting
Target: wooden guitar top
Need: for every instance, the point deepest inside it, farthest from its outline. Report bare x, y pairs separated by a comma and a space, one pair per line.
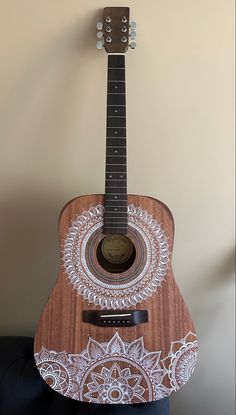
135, 364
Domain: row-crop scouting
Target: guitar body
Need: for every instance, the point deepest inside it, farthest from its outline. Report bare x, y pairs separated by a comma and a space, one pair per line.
105, 357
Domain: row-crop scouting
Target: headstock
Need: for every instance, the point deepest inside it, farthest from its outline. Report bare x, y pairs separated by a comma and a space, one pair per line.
115, 30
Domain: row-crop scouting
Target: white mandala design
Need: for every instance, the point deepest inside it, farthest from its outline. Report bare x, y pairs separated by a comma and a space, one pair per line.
115, 385
117, 372
105, 294
57, 371
181, 361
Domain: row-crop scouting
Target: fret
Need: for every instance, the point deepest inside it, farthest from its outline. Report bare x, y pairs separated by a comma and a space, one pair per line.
117, 217
110, 214
116, 60
114, 80
116, 111
124, 205
115, 68
116, 99
116, 75
112, 230
116, 194
122, 169
116, 224
120, 156
107, 181
117, 154
120, 215
115, 187
113, 121
115, 208
121, 190
116, 87
118, 173
122, 219
117, 201
111, 161
114, 200
116, 182
116, 141
125, 223
119, 132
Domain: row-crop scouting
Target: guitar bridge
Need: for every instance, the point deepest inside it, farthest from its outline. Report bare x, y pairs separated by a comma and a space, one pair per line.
119, 318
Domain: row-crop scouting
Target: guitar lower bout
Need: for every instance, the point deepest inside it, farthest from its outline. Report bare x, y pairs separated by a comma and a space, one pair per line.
115, 328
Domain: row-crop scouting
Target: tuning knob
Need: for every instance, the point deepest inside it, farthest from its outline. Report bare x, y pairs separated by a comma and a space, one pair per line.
99, 35
133, 45
132, 34
99, 25
133, 25
100, 44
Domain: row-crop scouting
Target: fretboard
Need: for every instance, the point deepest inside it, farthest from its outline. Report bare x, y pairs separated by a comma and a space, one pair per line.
115, 217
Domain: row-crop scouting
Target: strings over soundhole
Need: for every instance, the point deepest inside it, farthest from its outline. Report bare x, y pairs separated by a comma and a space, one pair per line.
116, 253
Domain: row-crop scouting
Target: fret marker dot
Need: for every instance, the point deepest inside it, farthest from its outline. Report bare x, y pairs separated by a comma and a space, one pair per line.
115, 132
110, 176
116, 86
121, 176
115, 197
115, 151
116, 110
115, 209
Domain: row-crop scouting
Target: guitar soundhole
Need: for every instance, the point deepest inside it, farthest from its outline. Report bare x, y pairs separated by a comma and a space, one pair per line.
116, 253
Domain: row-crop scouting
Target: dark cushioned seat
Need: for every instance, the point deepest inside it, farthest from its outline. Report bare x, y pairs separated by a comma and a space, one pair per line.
23, 392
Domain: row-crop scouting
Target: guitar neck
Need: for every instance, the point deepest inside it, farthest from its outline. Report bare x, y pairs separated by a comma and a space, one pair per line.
115, 217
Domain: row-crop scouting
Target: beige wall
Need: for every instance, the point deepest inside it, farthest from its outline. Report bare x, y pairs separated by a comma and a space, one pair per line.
180, 135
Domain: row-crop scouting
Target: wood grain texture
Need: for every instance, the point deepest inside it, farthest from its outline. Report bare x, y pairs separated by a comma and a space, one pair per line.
61, 327
116, 14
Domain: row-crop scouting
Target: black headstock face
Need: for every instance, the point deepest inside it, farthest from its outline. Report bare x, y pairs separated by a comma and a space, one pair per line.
115, 30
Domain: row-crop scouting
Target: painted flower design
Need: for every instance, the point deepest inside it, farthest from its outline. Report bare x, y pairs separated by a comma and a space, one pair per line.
115, 386
118, 372
57, 372
181, 360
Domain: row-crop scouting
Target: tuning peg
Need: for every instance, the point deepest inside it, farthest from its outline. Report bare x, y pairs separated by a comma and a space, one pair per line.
132, 34
99, 35
133, 25
100, 44
133, 45
99, 25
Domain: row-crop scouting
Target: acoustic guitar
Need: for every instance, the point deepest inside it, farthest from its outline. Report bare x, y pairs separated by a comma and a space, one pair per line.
115, 329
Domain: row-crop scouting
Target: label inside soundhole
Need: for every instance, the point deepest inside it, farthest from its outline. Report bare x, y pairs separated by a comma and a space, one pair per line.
117, 249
